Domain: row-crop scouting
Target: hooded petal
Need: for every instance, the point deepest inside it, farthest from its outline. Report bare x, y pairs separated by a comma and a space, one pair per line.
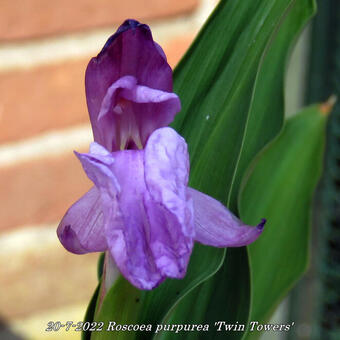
216, 226
130, 51
168, 205
129, 113
82, 228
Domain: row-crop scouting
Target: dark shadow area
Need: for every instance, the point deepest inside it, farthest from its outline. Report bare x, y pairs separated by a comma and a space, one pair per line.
6, 333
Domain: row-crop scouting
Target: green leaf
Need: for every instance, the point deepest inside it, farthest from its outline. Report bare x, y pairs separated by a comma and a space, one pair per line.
214, 301
265, 120
121, 305
230, 120
100, 265
217, 92
220, 119
267, 109
157, 304
125, 304
89, 315
280, 188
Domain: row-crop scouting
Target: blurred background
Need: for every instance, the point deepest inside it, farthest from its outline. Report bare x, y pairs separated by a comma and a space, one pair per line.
44, 49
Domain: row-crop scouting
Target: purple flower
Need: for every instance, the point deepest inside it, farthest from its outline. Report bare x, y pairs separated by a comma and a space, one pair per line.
129, 89
141, 210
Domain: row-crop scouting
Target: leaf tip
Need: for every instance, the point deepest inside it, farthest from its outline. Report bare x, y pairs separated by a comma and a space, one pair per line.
326, 107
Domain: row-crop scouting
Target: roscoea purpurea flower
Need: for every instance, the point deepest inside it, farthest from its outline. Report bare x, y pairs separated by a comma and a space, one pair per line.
141, 210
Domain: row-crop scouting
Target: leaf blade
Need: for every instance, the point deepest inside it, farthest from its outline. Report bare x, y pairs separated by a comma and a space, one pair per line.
280, 256
234, 91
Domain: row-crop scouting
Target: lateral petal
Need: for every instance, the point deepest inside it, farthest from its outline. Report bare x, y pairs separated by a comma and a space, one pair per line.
216, 226
82, 228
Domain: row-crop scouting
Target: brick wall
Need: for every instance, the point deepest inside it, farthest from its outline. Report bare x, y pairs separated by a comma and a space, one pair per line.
44, 49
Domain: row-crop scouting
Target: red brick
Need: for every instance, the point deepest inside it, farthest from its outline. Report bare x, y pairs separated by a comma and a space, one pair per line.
40, 191
50, 97
53, 97
176, 48
21, 19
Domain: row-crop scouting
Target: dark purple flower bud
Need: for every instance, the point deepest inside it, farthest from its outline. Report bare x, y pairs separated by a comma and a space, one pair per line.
129, 89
